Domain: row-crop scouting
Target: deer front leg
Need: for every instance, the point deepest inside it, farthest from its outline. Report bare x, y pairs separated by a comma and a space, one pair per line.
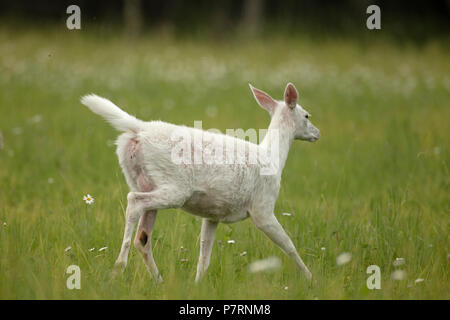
272, 229
206, 242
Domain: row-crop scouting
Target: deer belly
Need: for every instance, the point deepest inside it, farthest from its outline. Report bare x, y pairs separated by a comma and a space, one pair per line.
214, 207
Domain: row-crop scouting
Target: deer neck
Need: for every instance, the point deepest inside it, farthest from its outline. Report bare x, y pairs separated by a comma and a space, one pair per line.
278, 139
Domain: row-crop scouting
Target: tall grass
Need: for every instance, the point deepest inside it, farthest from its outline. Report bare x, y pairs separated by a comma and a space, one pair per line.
376, 184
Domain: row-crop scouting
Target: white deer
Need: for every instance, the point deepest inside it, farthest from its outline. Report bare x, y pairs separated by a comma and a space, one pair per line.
224, 193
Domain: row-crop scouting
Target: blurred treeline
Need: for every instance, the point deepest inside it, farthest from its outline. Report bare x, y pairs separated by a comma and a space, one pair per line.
415, 19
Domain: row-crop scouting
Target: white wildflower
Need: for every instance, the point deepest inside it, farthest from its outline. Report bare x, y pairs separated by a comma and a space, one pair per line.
267, 265
343, 258
102, 249
68, 249
286, 214
35, 119
437, 150
399, 262
398, 275
231, 241
88, 199
17, 130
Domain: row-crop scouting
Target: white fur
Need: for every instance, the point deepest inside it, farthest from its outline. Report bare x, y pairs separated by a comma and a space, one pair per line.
224, 193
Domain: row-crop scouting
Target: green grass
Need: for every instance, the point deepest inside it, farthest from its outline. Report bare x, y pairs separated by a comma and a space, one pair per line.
376, 184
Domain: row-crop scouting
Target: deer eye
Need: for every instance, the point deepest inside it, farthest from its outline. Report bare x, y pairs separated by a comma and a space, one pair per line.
307, 116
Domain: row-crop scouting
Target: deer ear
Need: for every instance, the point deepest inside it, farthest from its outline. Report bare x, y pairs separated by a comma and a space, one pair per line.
291, 96
264, 100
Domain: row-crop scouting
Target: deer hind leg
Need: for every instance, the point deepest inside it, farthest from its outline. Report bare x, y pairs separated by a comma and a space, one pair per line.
138, 203
143, 243
132, 216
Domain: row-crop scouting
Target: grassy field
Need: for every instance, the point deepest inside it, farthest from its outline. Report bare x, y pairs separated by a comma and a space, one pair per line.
376, 185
